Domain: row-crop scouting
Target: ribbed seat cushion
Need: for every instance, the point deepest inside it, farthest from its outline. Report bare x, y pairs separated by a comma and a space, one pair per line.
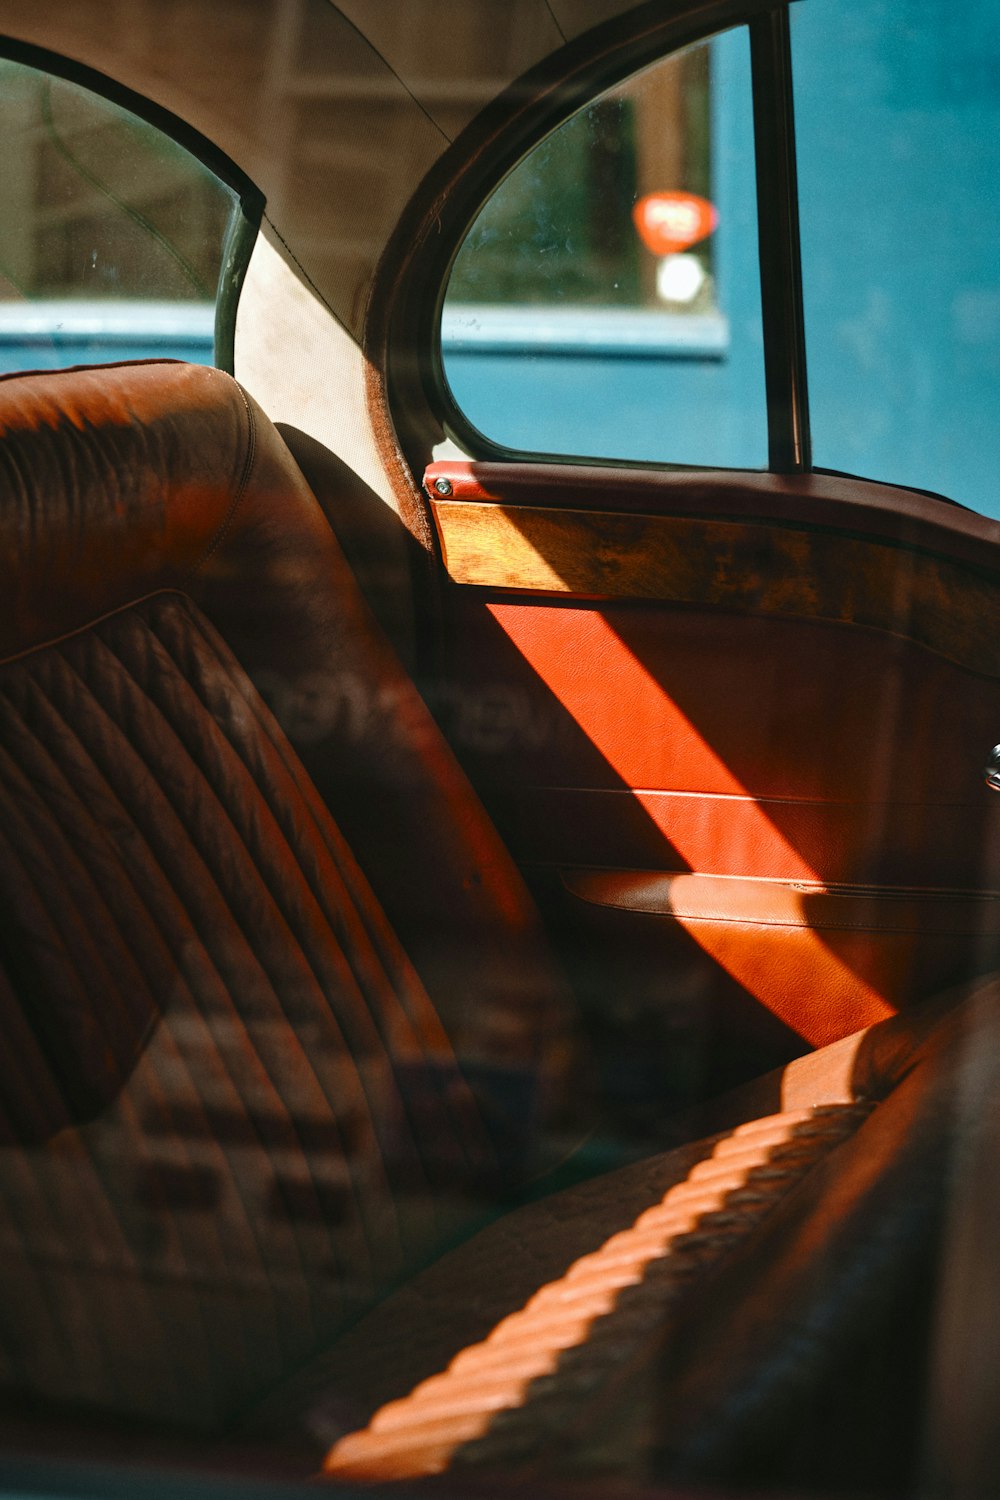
234, 1105
602, 1269
566, 1340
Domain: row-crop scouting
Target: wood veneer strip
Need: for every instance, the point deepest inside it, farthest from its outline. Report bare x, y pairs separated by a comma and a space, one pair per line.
936, 601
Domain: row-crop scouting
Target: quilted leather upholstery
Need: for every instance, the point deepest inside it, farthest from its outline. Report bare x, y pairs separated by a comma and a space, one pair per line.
511, 1399
202, 972
230, 1114
119, 481
751, 1309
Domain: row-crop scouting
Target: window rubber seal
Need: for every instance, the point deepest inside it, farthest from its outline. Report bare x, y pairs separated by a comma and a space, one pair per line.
786, 385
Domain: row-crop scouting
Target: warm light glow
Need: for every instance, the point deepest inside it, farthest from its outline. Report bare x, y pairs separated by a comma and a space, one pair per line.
808, 965
421, 1433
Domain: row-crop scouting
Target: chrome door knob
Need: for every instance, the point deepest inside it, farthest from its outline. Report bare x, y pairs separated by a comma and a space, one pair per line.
991, 771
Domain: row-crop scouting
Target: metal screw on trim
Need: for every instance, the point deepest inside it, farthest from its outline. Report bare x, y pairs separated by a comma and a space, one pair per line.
443, 486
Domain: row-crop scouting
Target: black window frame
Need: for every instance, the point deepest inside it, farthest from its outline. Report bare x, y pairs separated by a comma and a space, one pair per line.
510, 128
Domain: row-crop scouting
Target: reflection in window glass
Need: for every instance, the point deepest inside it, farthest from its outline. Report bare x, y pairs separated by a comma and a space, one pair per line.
605, 302
562, 228
897, 109
111, 234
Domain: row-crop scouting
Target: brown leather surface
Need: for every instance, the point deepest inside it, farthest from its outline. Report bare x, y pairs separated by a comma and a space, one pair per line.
509, 1398
729, 835
865, 1065
459, 1306
457, 1301
126, 479
277, 1122
242, 1117
791, 750
742, 1331
370, 533
780, 903
810, 1366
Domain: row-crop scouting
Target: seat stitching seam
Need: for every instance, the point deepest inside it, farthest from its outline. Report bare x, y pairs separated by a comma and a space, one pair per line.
279, 1092
266, 886
86, 751
398, 986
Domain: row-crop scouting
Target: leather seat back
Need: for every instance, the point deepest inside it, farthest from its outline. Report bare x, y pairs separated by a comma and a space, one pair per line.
233, 1111
123, 480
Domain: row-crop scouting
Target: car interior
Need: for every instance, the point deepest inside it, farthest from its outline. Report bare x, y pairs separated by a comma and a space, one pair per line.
499, 988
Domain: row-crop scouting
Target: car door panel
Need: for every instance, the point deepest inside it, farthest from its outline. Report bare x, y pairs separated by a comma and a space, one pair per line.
737, 722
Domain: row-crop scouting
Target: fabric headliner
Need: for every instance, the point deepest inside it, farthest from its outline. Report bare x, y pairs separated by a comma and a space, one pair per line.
382, 85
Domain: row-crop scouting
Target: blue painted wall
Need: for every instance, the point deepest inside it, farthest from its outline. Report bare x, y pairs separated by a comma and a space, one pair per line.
53, 334
898, 128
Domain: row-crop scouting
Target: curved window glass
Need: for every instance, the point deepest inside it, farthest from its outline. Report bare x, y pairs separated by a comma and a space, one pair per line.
606, 302
113, 237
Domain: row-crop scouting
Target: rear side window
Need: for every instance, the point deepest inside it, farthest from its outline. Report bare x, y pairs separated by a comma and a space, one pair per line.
605, 303
116, 242
898, 136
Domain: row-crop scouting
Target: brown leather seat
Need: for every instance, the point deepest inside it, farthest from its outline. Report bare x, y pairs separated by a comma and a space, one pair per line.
753, 1309
233, 1111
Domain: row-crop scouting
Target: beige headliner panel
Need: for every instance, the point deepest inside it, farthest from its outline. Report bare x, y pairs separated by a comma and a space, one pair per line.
293, 92
577, 16
488, 44
303, 366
